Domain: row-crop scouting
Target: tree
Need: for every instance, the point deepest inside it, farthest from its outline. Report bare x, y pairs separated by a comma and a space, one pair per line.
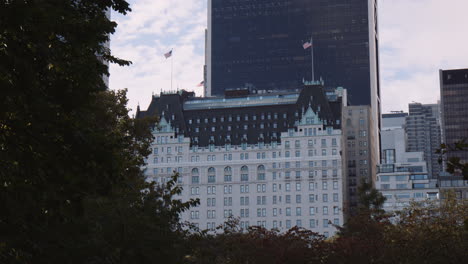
257, 245
71, 185
454, 164
432, 232
360, 239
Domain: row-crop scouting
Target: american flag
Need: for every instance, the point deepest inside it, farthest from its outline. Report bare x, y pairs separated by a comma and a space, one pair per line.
307, 45
168, 54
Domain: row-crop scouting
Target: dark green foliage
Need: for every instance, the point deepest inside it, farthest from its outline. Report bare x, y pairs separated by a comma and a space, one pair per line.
257, 245
71, 187
454, 164
360, 240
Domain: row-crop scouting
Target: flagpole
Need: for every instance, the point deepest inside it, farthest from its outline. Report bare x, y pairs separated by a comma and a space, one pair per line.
172, 63
312, 57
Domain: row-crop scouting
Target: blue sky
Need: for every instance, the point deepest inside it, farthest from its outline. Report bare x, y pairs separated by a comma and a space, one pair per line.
417, 38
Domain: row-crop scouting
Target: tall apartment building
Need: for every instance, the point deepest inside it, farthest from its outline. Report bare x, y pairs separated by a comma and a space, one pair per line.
402, 176
360, 158
423, 133
454, 106
270, 159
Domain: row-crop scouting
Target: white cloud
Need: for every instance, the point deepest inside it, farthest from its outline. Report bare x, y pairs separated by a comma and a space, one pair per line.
417, 38
149, 31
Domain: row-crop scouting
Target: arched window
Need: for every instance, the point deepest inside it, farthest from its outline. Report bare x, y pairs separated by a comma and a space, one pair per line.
195, 176
227, 174
244, 173
211, 175
261, 173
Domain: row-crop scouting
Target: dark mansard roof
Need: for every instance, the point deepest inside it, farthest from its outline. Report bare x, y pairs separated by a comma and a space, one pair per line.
223, 120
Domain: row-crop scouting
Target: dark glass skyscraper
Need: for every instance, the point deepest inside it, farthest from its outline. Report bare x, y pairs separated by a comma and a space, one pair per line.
258, 44
454, 104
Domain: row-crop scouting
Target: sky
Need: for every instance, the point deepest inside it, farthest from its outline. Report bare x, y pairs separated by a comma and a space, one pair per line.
417, 38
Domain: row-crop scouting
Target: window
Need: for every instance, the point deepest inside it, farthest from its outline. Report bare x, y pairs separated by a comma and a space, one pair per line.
325, 197
288, 187
298, 198
312, 223
311, 198
324, 173
298, 186
335, 197
335, 173
335, 185
297, 144
402, 186
261, 173
287, 154
288, 211
244, 188
298, 211
195, 176
324, 152
244, 173
334, 142
335, 210
324, 185
311, 210
227, 189
325, 222
211, 175
211, 190
401, 178
195, 190
384, 178
227, 174
288, 199
311, 186
227, 213
385, 186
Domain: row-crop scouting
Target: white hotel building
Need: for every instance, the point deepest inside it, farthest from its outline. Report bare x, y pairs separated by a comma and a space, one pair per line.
269, 159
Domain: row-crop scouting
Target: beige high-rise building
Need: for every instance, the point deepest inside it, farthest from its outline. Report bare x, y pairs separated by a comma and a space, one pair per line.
360, 152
